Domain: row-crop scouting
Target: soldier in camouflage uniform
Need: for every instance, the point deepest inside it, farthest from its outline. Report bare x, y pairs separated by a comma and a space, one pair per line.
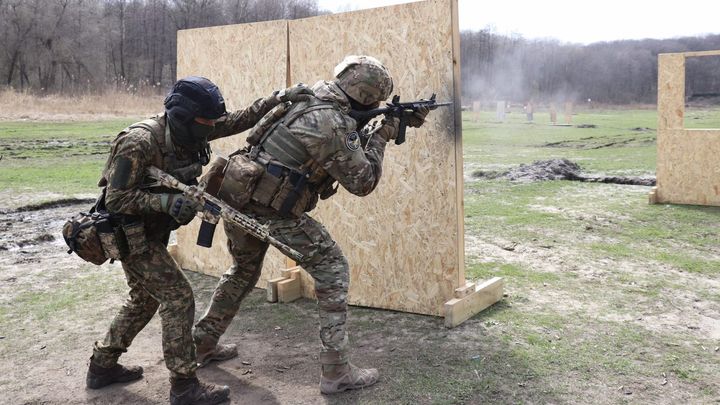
304, 152
176, 142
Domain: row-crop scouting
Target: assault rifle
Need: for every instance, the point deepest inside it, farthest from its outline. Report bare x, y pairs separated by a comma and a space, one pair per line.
401, 110
214, 209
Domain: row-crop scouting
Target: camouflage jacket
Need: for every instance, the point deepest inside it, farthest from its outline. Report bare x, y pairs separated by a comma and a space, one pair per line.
330, 137
136, 148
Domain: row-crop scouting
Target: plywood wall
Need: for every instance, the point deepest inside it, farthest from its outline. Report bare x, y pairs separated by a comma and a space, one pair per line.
404, 242
687, 165
246, 61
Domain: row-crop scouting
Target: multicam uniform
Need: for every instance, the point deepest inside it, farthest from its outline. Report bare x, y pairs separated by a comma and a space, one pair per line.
317, 142
155, 280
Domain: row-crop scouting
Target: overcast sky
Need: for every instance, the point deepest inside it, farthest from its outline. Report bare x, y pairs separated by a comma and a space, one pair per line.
576, 21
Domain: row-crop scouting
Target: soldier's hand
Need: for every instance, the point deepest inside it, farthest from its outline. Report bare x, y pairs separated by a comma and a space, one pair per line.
179, 207
389, 129
294, 94
418, 117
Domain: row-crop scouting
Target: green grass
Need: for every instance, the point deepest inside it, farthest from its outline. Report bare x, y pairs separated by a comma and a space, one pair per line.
39, 304
501, 145
64, 157
514, 272
611, 254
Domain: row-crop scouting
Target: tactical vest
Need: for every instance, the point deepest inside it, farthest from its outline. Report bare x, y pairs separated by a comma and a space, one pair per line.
186, 170
293, 180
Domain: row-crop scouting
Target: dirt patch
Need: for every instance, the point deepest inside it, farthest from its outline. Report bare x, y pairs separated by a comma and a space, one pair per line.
559, 169
62, 202
600, 142
39, 148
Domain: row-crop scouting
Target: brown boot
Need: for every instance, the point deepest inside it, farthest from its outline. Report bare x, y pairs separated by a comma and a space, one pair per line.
187, 391
219, 352
208, 349
339, 375
98, 377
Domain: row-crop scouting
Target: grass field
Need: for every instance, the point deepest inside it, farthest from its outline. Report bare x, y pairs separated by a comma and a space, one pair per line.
604, 287
63, 157
610, 300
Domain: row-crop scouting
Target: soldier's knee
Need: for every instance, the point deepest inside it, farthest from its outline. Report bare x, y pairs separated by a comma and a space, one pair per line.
145, 305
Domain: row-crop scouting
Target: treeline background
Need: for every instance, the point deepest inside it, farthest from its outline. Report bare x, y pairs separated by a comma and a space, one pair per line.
81, 46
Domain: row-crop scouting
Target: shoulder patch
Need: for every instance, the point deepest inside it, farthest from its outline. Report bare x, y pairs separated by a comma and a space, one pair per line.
352, 141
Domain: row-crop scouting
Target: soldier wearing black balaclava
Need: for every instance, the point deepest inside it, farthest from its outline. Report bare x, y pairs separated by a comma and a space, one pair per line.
176, 142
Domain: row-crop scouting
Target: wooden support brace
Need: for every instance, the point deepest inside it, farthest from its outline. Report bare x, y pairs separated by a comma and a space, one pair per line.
286, 288
652, 197
463, 292
469, 300
271, 289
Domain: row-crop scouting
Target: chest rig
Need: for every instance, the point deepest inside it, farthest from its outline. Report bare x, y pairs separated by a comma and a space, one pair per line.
292, 180
185, 168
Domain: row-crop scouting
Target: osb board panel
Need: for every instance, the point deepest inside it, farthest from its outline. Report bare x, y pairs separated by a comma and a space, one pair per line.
688, 171
687, 168
247, 62
404, 241
671, 91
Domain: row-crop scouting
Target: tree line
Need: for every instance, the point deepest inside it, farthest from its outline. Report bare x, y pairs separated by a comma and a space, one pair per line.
75, 46
497, 67
71, 46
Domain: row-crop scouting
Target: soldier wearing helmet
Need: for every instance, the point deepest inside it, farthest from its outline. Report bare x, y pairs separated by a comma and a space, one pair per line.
304, 150
176, 142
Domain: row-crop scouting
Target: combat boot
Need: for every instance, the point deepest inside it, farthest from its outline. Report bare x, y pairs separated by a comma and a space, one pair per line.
98, 377
209, 350
187, 391
339, 375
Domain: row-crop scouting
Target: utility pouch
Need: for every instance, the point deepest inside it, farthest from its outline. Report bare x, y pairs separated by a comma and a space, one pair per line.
135, 236
214, 176
266, 188
293, 196
239, 181
81, 235
109, 239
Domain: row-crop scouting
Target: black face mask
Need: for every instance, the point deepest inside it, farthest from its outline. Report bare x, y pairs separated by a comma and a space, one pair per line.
191, 137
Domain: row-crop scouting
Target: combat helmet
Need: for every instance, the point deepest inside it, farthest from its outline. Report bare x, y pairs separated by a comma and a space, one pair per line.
364, 79
190, 98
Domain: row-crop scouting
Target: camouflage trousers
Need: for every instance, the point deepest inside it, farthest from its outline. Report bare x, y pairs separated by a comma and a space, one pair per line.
324, 261
155, 281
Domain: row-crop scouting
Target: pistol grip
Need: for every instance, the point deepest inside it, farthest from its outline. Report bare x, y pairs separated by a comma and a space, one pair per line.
400, 139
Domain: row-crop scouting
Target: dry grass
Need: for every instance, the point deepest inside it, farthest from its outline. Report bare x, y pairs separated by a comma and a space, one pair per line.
90, 107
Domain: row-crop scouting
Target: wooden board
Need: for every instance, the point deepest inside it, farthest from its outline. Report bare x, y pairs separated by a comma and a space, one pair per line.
404, 242
687, 166
471, 300
246, 61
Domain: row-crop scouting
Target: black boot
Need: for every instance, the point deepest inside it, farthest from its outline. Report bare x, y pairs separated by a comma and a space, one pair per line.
186, 391
98, 377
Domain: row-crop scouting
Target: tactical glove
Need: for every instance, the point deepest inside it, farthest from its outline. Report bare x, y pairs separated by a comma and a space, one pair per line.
389, 129
297, 93
418, 117
179, 207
